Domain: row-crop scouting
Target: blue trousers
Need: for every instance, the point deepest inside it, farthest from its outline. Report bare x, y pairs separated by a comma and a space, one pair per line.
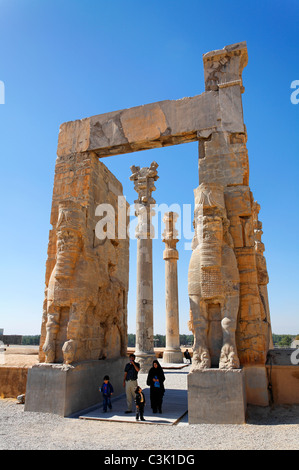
106, 402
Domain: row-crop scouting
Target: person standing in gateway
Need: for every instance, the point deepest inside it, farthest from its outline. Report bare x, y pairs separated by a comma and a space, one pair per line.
130, 381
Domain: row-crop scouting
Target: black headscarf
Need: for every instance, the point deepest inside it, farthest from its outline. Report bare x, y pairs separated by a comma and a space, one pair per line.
155, 371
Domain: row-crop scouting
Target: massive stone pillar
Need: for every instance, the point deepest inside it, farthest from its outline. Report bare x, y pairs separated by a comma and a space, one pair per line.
84, 324
213, 283
144, 180
172, 353
223, 160
87, 269
244, 320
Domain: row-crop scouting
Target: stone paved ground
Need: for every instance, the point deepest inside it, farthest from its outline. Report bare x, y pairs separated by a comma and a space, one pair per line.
265, 430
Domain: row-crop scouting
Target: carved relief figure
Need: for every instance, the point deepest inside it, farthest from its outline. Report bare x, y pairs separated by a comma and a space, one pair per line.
72, 288
262, 272
112, 316
213, 280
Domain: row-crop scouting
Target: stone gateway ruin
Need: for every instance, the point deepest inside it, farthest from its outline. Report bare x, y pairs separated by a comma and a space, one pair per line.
84, 324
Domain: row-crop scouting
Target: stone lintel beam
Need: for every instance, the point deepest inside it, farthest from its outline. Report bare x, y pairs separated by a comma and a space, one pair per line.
140, 128
170, 122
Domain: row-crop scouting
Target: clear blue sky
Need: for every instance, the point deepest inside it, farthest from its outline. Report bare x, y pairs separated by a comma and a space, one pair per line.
70, 59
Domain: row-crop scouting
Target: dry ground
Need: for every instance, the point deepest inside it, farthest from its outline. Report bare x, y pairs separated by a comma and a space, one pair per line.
266, 429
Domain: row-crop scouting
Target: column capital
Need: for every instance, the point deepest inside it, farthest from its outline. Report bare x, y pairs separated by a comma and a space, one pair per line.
144, 182
170, 235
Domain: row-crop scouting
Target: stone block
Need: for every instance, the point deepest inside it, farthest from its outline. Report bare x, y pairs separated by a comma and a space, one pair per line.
236, 231
246, 259
65, 389
12, 381
256, 381
283, 372
216, 396
148, 125
222, 162
172, 357
230, 104
237, 201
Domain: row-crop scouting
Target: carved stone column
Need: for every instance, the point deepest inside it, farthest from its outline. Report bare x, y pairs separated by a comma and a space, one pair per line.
144, 180
172, 353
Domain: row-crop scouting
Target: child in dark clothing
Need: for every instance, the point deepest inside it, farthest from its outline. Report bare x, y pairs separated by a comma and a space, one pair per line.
107, 391
140, 403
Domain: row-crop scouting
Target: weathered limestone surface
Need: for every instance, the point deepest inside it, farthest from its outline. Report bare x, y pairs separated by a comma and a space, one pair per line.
223, 159
256, 381
262, 273
172, 353
85, 308
144, 127
283, 371
66, 389
13, 381
216, 396
213, 283
144, 184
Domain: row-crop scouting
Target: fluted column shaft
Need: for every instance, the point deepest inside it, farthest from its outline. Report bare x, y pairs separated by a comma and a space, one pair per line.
144, 179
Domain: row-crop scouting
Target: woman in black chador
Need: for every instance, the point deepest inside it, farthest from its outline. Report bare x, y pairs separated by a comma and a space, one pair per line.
155, 380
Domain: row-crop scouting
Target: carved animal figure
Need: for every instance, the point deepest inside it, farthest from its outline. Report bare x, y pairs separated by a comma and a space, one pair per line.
80, 322
213, 278
69, 293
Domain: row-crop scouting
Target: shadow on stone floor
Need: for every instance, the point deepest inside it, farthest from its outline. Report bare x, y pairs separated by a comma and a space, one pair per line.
271, 415
175, 406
